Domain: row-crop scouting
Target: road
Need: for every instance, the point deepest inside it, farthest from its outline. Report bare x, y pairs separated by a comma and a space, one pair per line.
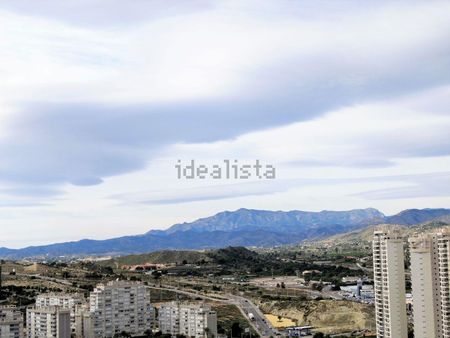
50, 279
260, 323
370, 271
195, 294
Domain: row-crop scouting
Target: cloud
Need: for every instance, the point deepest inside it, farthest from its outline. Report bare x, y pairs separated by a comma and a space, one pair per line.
376, 135
27, 191
419, 185
361, 162
21, 204
202, 76
98, 13
207, 193
422, 186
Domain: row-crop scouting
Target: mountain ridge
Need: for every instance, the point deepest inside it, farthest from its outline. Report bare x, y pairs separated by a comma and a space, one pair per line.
242, 227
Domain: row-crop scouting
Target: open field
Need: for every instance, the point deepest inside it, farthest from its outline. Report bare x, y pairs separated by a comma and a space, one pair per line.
288, 281
280, 322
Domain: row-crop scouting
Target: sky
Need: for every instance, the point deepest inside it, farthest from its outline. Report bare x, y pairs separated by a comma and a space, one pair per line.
348, 100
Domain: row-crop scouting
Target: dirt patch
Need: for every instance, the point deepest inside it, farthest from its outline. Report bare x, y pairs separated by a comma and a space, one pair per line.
328, 316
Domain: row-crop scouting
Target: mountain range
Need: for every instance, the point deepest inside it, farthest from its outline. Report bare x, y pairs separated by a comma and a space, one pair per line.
243, 227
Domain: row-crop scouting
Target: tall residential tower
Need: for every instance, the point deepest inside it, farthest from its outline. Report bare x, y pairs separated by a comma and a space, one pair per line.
389, 280
430, 284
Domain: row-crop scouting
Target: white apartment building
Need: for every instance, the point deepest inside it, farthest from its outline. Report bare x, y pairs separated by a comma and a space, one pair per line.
191, 320
48, 322
430, 284
116, 307
11, 323
389, 283
63, 300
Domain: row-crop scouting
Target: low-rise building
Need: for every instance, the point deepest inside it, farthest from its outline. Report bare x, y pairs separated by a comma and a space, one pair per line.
188, 319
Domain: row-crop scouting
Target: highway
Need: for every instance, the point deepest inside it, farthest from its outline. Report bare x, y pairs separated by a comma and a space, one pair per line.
260, 323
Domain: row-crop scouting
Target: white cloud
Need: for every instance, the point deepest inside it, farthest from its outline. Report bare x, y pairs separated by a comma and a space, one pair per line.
218, 51
358, 136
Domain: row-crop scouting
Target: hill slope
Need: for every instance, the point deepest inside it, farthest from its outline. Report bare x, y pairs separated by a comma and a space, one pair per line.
160, 257
365, 235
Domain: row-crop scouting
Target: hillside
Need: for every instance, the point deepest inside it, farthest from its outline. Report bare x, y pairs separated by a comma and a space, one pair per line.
365, 235
160, 257
243, 227
416, 216
231, 256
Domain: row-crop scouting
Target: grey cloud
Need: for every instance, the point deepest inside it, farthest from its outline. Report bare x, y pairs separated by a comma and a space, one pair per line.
408, 143
200, 194
31, 191
83, 143
21, 204
422, 186
428, 184
359, 162
113, 13
104, 13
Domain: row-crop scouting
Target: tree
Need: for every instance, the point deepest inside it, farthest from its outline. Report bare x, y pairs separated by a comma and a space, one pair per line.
236, 330
317, 287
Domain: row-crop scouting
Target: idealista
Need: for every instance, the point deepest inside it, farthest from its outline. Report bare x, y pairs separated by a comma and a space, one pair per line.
228, 169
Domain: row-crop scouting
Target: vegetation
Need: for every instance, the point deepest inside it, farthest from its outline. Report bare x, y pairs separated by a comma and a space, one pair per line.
159, 257
230, 321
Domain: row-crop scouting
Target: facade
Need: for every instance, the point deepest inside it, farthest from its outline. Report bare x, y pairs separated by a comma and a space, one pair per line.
48, 322
191, 320
430, 284
63, 300
83, 322
116, 307
11, 323
389, 283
